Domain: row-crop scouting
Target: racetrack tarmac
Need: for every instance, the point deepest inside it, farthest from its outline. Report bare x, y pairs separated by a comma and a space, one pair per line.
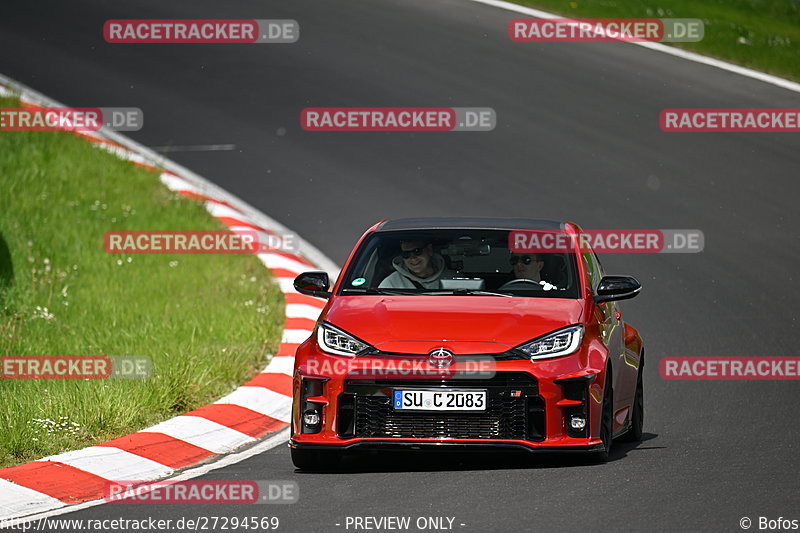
577, 138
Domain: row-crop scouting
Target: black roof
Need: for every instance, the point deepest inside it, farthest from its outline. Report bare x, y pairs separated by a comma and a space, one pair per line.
468, 223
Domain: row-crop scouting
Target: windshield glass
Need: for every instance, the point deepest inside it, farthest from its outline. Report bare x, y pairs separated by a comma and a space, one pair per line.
457, 262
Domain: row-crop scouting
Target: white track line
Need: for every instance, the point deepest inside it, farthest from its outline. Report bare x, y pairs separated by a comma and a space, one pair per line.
658, 47
194, 148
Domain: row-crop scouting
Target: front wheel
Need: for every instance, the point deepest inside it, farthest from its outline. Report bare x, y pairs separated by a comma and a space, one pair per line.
606, 421
634, 433
315, 460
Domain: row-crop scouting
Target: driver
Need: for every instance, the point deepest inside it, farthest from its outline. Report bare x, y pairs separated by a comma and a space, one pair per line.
527, 266
416, 267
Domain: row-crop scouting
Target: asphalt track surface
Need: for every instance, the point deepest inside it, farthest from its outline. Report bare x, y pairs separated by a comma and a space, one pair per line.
577, 139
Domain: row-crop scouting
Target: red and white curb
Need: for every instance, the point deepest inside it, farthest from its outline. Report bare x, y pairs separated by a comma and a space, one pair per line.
258, 408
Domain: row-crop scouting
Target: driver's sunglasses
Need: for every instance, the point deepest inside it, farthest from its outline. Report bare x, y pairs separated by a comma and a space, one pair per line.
415, 252
526, 259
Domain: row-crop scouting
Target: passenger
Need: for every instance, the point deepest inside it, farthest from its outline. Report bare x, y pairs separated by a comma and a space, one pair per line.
417, 267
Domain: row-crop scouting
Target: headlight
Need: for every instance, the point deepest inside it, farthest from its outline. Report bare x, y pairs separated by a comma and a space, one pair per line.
336, 341
561, 342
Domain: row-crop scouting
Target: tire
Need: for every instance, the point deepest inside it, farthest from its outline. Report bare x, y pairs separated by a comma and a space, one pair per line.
606, 421
634, 433
315, 460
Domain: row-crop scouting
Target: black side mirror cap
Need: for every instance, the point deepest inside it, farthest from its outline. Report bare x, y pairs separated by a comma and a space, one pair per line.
314, 283
613, 288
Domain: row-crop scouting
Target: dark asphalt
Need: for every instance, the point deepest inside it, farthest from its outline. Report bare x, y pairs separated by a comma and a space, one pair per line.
577, 139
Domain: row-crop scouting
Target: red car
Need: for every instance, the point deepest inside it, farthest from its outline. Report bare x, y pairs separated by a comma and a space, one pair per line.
451, 333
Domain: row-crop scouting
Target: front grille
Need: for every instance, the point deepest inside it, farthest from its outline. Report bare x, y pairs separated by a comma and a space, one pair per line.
503, 419
365, 411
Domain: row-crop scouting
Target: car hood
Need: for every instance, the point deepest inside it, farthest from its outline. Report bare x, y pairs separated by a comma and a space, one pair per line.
463, 324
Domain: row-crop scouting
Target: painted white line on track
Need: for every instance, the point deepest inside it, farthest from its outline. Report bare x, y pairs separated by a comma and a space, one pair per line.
194, 148
658, 47
122, 153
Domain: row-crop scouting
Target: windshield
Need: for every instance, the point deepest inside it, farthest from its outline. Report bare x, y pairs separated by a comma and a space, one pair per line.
457, 262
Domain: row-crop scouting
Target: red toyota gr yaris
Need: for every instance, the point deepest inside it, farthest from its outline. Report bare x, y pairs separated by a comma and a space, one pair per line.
467, 332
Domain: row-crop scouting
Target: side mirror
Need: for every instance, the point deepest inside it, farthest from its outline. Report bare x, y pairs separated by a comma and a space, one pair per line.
612, 288
313, 284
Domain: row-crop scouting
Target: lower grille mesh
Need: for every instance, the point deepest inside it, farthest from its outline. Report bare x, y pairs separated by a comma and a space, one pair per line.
504, 418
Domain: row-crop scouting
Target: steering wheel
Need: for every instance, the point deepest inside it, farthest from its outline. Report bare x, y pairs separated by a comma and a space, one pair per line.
523, 283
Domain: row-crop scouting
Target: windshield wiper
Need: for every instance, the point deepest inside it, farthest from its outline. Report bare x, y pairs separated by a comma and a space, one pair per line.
375, 290
458, 292
470, 292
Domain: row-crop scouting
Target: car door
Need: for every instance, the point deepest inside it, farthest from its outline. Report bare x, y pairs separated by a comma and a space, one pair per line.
612, 333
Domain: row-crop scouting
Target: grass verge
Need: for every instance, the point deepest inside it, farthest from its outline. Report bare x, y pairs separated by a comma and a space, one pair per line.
760, 34
206, 321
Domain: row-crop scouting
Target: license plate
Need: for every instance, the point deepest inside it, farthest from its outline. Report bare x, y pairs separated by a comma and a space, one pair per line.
439, 400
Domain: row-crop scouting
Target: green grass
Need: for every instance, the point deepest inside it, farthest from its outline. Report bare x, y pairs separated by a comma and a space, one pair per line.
206, 321
760, 34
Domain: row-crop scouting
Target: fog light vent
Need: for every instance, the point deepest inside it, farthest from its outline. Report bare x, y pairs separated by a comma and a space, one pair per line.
312, 413
577, 422
311, 418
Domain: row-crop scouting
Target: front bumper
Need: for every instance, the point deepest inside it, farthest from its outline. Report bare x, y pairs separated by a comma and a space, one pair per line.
529, 406
444, 446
